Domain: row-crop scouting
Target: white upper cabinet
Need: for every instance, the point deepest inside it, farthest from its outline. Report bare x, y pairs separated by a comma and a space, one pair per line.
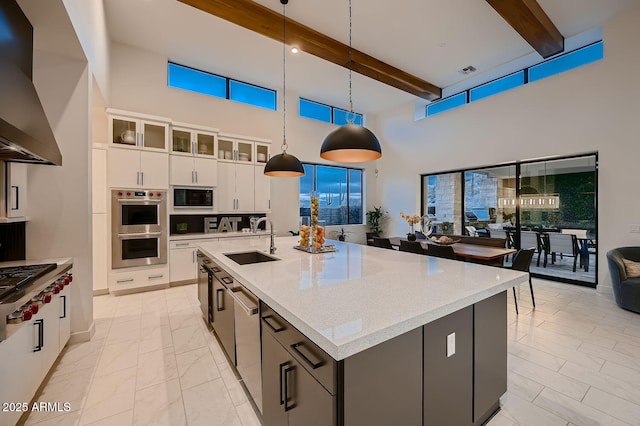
188, 139
135, 169
16, 189
243, 149
262, 190
193, 155
138, 131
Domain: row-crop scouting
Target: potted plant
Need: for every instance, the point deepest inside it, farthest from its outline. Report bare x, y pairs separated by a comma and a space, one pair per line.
374, 219
342, 234
411, 220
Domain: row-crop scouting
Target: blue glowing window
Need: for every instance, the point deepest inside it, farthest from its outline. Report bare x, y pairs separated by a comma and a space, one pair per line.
196, 81
315, 110
566, 62
341, 117
252, 95
446, 104
494, 87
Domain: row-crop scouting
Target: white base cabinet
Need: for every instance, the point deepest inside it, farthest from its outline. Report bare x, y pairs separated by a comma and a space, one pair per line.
126, 280
29, 353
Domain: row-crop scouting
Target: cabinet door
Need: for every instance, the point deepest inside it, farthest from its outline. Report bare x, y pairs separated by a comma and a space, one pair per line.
182, 265
181, 141
100, 256
205, 144
18, 376
206, 172
182, 172
274, 360
225, 195
263, 153
155, 135
51, 335
245, 187
312, 404
262, 190
124, 131
17, 190
244, 151
448, 380
65, 316
154, 169
124, 168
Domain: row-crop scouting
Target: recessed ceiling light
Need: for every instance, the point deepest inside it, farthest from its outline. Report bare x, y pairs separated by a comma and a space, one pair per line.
468, 69
295, 50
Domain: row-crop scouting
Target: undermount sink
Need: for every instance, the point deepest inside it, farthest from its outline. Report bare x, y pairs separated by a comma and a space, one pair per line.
250, 257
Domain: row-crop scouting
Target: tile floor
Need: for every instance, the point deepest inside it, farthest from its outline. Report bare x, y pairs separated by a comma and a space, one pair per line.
575, 360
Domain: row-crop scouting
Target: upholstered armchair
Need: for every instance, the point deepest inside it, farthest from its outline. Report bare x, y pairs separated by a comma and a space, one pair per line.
626, 290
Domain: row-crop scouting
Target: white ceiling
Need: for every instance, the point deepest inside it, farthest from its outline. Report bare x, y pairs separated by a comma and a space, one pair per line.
431, 39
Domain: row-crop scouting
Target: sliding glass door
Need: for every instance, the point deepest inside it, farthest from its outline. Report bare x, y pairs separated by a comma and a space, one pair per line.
558, 206
549, 205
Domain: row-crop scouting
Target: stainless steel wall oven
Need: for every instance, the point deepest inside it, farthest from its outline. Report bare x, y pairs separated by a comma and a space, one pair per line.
138, 228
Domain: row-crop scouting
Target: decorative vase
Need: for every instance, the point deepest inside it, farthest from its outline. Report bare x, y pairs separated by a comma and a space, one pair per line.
411, 237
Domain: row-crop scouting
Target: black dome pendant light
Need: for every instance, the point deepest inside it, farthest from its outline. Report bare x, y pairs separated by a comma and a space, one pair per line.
351, 143
284, 165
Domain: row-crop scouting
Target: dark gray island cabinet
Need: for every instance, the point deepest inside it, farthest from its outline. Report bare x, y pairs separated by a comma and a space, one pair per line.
451, 371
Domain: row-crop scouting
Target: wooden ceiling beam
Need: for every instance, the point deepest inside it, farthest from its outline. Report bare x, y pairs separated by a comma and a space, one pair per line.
532, 23
267, 22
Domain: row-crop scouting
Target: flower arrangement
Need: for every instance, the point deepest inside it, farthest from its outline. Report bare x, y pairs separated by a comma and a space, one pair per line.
411, 220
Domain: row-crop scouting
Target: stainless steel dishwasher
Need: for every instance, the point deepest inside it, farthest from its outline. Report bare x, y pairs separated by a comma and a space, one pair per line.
247, 324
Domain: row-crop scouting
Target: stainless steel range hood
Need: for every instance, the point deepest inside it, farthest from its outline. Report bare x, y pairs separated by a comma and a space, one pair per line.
25, 132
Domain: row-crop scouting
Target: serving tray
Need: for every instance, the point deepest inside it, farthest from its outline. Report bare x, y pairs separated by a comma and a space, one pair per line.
324, 249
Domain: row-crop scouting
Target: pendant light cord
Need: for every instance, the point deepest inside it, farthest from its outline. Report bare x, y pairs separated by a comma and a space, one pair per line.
284, 79
350, 59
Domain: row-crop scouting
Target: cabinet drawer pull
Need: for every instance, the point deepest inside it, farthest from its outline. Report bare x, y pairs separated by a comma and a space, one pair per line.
153, 277
64, 306
128, 280
181, 244
219, 306
40, 345
298, 346
287, 407
280, 374
268, 320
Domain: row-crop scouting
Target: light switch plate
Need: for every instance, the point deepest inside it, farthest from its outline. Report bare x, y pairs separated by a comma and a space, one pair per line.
451, 344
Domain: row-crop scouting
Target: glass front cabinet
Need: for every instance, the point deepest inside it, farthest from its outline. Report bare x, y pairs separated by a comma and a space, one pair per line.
194, 140
137, 131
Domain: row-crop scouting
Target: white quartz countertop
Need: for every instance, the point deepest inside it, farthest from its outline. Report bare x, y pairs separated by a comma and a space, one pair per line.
359, 296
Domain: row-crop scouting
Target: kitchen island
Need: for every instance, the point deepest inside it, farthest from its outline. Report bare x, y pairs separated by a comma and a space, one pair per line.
392, 337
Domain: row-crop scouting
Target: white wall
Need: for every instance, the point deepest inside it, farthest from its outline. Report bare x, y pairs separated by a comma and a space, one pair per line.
59, 197
88, 19
139, 83
591, 108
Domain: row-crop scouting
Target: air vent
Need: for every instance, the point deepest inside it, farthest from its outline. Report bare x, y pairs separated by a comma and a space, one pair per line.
468, 69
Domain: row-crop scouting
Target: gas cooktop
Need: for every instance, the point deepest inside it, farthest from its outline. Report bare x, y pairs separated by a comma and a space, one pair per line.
14, 278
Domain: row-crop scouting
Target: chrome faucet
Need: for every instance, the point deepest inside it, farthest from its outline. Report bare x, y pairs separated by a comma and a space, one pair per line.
256, 223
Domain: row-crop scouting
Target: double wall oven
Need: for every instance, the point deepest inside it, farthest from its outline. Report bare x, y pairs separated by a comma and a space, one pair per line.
138, 227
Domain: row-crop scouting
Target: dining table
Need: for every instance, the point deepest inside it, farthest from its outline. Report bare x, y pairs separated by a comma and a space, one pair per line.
469, 252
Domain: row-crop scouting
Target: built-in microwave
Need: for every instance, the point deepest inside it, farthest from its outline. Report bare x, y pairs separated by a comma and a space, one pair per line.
185, 197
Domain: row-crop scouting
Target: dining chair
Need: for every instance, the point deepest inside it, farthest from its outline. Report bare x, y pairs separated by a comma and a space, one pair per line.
563, 244
532, 239
472, 231
522, 262
370, 236
412, 247
445, 252
382, 243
